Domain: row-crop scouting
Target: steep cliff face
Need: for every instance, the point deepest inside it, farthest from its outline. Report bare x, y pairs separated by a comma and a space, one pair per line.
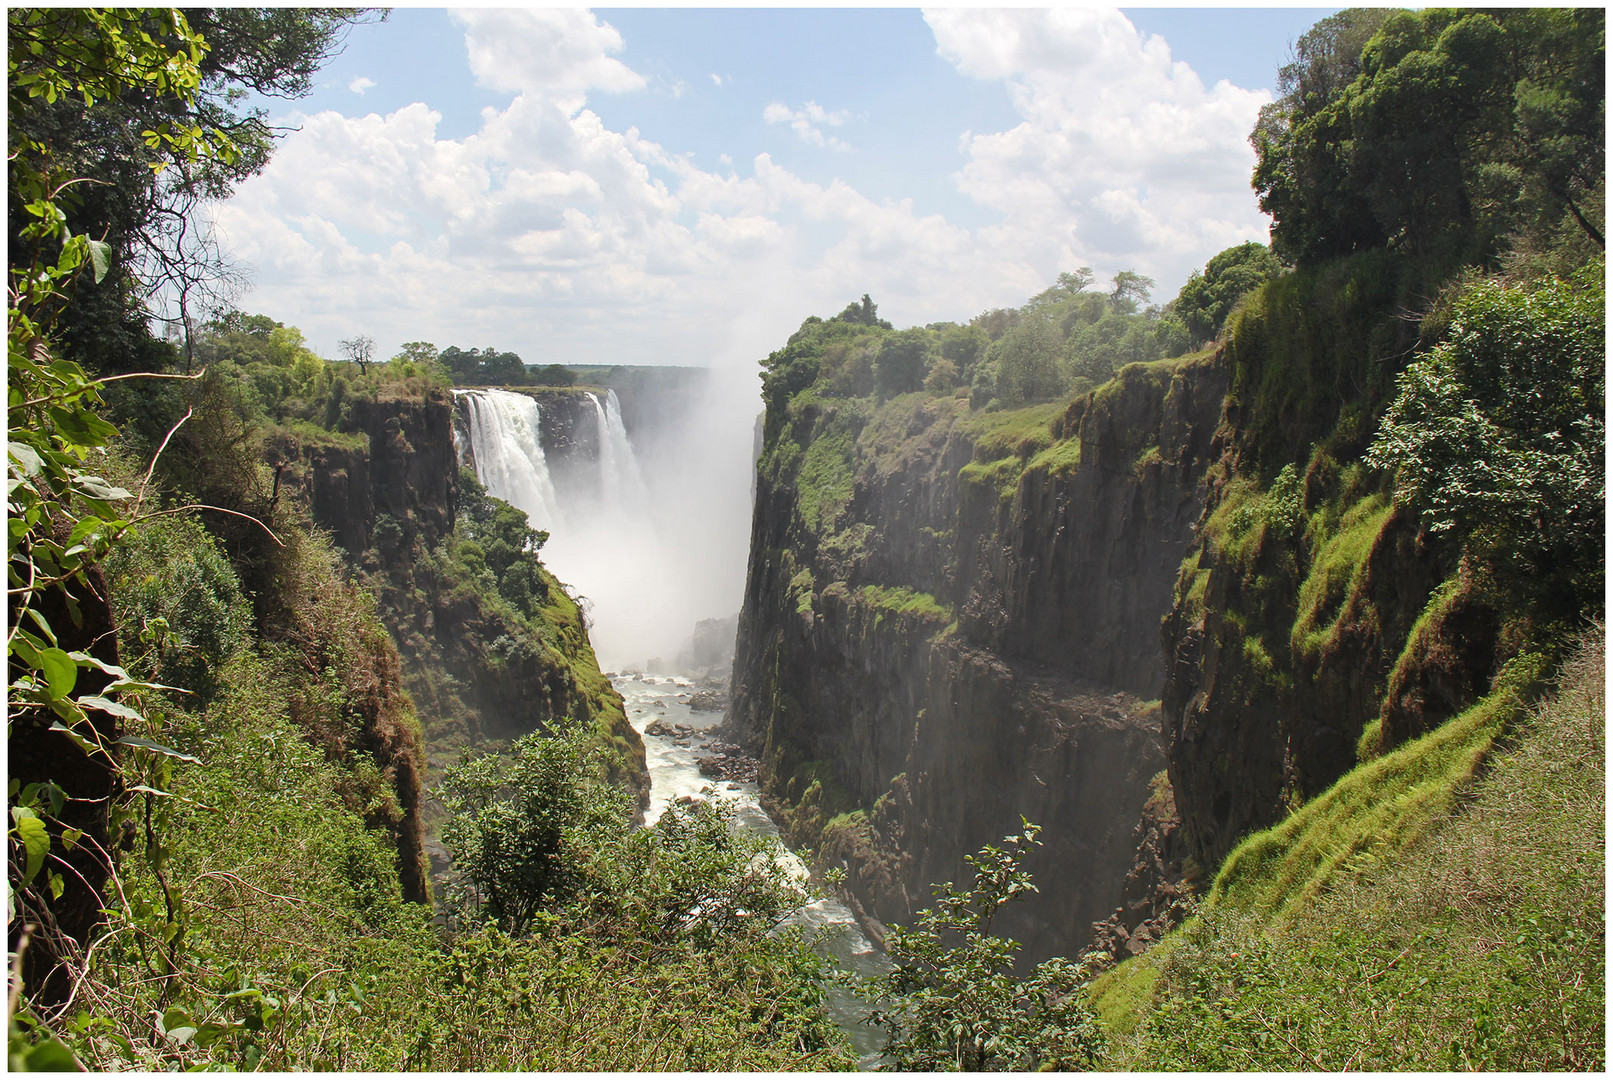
1314, 625
388, 489
950, 618
393, 462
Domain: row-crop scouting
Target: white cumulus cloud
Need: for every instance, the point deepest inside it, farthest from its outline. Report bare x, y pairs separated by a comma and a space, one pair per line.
361, 84
562, 51
1123, 156
808, 122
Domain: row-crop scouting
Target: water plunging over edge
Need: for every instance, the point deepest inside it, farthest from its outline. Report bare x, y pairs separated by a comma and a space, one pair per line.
507, 443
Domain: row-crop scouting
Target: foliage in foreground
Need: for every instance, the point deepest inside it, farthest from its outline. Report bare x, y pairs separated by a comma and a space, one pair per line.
259, 924
1479, 947
952, 1001
550, 857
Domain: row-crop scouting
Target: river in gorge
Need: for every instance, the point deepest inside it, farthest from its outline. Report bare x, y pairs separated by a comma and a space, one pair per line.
675, 775
623, 533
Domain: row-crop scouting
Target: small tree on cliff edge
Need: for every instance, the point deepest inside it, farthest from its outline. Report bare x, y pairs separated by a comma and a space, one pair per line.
359, 350
952, 1002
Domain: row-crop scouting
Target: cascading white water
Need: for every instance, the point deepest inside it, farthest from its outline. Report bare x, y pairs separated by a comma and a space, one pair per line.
653, 528
621, 483
508, 446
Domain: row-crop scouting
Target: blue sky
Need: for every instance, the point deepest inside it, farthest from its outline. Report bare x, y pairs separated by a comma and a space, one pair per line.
651, 185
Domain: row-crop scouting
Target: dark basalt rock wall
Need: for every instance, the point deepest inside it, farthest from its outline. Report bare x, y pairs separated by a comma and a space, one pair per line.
387, 489
394, 459
947, 655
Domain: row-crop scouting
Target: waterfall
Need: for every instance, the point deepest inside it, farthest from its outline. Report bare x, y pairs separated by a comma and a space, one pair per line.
650, 529
508, 447
621, 484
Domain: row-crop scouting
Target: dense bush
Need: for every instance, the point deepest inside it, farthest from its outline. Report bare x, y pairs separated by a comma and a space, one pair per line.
520, 822
1498, 434
178, 604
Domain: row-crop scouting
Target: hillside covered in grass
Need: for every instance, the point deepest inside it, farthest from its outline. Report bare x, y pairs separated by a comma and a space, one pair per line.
1474, 939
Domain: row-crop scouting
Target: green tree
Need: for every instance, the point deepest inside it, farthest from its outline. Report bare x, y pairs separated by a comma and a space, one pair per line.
902, 362
154, 127
417, 352
1070, 284
693, 877
1209, 296
1440, 131
1498, 434
507, 543
1027, 362
554, 375
1301, 144
996, 322
178, 604
951, 1001
863, 312
1129, 292
523, 823
1099, 349
964, 346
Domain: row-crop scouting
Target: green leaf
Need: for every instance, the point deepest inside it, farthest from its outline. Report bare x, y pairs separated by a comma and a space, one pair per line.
97, 488
142, 789
35, 839
25, 455
52, 1055
106, 705
157, 748
59, 670
78, 740
100, 258
178, 1025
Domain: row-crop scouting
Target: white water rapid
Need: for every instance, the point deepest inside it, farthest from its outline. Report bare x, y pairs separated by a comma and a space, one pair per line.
675, 774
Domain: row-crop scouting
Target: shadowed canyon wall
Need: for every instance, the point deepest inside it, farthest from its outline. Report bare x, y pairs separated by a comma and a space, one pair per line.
952, 620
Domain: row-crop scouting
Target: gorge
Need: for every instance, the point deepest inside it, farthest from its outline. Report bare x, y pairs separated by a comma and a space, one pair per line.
1106, 682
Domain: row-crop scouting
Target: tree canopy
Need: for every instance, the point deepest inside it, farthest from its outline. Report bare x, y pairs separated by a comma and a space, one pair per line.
1208, 296
143, 109
1439, 131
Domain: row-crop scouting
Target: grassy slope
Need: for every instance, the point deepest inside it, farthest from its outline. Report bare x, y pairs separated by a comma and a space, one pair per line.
1409, 918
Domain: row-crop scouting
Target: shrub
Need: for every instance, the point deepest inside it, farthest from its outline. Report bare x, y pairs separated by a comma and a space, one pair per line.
178, 604
951, 1001
522, 823
1498, 434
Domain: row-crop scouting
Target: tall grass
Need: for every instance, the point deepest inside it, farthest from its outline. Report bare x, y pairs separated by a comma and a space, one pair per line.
1478, 945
